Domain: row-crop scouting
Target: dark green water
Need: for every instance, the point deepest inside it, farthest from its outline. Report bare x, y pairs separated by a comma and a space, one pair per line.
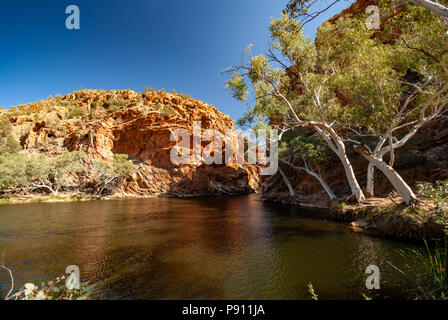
202, 248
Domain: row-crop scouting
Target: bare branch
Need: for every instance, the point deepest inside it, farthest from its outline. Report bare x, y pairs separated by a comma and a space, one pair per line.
10, 274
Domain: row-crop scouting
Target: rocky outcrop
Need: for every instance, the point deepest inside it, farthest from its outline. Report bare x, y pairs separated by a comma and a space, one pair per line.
104, 123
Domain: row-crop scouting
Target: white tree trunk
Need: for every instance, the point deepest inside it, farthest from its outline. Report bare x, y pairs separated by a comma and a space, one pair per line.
43, 185
350, 174
315, 175
370, 187
322, 183
397, 181
290, 188
337, 145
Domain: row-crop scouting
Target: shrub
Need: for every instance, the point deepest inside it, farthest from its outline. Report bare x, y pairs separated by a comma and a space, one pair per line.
76, 112
148, 89
40, 172
165, 110
54, 290
437, 192
12, 170
431, 282
8, 144
117, 104
111, 175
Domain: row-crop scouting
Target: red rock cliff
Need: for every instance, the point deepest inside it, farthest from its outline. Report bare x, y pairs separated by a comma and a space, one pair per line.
104, 123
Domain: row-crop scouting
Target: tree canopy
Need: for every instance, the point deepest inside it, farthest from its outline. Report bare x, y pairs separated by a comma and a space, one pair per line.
353, 86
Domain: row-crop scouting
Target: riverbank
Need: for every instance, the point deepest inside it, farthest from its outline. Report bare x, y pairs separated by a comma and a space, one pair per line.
388, 217
392, 218
44, 198
81, 197
66, 197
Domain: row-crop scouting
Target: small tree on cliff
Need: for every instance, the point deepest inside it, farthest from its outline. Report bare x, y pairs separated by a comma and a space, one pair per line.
111, 175
297, 97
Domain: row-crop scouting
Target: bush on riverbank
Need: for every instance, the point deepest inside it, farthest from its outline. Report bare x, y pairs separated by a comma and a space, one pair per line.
432, 282
396, 219
68, 172
438, 193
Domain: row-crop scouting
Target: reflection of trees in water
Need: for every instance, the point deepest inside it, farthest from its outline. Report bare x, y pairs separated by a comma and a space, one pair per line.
226, 225
141, 269
382, 253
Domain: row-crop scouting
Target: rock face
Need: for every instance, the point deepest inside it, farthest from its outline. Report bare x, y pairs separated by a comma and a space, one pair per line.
104, 123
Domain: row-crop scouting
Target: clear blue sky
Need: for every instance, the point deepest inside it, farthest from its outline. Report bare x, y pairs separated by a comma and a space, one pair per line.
171, 44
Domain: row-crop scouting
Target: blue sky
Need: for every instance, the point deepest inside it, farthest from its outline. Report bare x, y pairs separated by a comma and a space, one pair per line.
171, 44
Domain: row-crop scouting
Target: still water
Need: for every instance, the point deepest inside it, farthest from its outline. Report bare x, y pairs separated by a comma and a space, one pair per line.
200, 248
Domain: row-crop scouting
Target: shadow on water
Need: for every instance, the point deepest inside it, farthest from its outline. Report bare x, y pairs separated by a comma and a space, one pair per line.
198, 248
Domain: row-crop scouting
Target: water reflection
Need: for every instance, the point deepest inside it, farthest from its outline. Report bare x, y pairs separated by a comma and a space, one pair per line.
202, 248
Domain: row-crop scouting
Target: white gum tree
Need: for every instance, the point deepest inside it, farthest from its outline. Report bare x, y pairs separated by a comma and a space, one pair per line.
352, 86
393, 82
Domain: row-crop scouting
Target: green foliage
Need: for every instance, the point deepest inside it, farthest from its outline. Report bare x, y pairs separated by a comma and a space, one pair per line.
432, 283
148, 89
301, 8
271, 85
438, 193
51, 173
238, 87
314, 296
69, 162
76, 112
13, 169
365, 297
117, 104
349, 83
308, 148
8, 143
122, 166
110, 175
164, 109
